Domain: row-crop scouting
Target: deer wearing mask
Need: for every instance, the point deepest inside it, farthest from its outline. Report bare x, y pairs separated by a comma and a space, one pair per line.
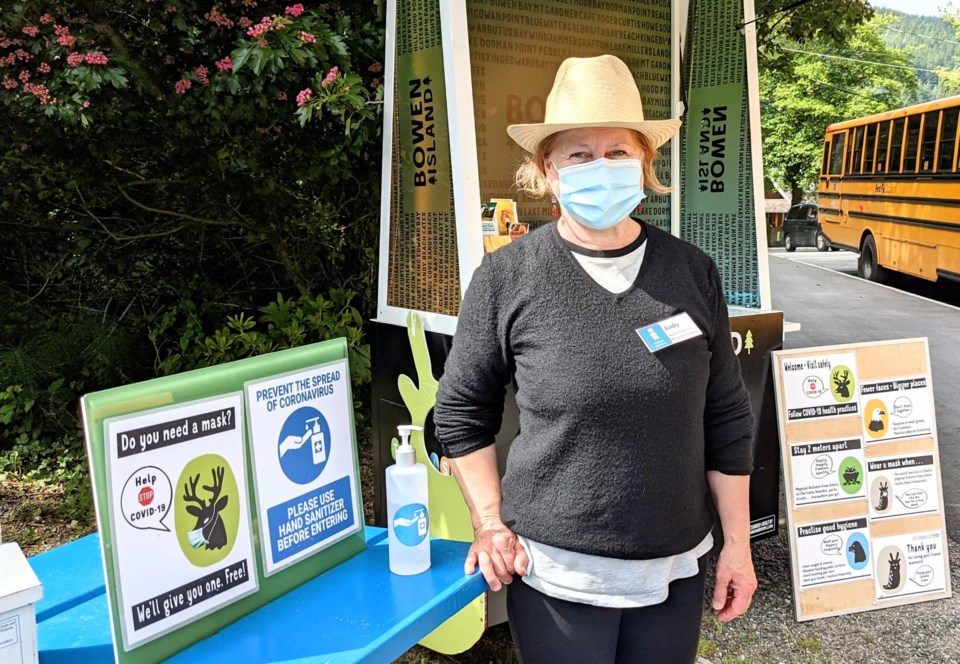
209, 531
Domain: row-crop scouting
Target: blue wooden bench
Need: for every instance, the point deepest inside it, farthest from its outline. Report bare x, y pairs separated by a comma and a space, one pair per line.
355, 612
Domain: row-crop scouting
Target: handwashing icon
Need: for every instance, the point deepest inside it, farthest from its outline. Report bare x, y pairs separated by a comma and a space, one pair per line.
313, 434
419, 518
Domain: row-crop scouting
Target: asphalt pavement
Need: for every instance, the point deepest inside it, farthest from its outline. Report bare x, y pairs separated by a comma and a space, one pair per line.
822, 293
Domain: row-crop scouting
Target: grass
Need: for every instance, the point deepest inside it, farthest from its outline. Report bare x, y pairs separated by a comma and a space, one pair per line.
707, 648
809, 643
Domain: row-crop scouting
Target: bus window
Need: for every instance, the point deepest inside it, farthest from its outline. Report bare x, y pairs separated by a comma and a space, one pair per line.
911, 144
836, 154
868, 149
857, 153
896, 146
826, 158
929, 144
883, 142
948, 138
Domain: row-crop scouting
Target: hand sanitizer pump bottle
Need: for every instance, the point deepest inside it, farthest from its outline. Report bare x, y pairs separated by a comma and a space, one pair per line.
408, 514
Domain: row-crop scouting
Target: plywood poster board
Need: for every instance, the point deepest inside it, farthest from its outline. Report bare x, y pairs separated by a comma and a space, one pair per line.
861, 468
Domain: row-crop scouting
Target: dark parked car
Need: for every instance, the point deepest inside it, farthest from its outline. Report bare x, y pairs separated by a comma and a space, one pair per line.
802, 229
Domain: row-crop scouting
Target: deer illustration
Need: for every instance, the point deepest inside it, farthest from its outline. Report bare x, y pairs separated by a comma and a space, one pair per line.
209, 531
842, 381
893, 579
884, 497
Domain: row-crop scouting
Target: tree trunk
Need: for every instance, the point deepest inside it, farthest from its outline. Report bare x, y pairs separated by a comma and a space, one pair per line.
796, 194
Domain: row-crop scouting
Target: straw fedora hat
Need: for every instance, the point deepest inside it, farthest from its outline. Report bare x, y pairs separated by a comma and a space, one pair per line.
593, 92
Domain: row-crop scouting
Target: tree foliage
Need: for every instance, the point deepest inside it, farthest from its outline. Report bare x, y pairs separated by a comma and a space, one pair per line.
170, 163
827, 85
931, 44
827, 23
950, 78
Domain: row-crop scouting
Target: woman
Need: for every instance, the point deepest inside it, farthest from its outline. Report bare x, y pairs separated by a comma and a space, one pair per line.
605, 508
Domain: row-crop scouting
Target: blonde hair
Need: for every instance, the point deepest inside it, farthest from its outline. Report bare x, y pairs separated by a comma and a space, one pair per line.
531, 176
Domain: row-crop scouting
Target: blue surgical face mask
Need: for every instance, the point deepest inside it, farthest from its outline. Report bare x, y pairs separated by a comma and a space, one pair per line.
601, 193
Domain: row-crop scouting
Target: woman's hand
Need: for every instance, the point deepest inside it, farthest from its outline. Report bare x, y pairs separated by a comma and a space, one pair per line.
498, 552
735, 581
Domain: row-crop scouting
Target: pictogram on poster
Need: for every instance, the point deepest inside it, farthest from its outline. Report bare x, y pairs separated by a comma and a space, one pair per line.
182, 544
898, 408
301, 429
910, 564
817, 387
833, 551
827, 471
902, 486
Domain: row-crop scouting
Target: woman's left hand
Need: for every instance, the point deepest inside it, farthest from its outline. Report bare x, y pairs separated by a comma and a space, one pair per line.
735, 581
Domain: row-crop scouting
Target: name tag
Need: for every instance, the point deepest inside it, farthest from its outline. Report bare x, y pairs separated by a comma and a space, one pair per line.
669, 331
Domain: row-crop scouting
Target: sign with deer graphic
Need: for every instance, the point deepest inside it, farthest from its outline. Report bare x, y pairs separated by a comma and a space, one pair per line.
182, 543
858, 439
175, 497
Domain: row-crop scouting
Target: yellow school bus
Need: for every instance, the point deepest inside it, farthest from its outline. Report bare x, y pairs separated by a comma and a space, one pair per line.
890, 190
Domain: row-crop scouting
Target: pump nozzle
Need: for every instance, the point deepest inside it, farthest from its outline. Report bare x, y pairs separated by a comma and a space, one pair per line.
406, 455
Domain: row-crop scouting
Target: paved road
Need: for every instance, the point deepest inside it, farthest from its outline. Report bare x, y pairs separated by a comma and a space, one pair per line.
820, 291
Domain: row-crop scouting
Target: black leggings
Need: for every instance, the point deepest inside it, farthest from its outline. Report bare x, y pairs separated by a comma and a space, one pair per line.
554, 631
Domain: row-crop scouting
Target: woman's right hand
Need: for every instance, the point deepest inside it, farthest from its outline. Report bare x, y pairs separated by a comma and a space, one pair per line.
498, 552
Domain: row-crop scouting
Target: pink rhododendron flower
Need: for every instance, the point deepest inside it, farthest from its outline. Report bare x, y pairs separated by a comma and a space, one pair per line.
24, 76
218, 18
245, 22
281, 96
46, 19
85, 104
44, 68
31, 30
75, 59
9, 83
304, 96
182, 86
376, 68
262, 27
203, 74
330, 77
64, 38
40, 92
307, 38
294, 10
96, 58
225, 64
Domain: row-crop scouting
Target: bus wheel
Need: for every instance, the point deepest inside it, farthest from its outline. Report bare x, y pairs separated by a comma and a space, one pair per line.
868, 266
788, 243
823, 244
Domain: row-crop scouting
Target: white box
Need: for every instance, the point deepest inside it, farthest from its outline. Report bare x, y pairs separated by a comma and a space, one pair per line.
19, 591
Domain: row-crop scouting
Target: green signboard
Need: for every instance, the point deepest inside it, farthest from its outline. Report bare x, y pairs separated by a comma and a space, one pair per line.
718, 204
211, 485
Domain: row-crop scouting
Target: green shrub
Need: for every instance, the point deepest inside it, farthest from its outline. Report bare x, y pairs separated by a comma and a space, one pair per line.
284, 323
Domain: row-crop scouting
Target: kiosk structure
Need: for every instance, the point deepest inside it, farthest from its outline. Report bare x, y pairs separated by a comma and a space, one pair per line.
457, 73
